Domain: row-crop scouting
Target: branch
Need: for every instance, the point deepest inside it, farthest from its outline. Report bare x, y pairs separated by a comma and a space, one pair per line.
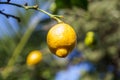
9, 3
35, 7
22, 6
9, 15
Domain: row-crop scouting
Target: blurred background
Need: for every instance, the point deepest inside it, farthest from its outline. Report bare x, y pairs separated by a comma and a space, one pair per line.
94, 58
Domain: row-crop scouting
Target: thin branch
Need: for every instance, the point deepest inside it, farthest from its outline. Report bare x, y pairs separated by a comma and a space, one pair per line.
14, 4
9, 15
35, 7
22, 6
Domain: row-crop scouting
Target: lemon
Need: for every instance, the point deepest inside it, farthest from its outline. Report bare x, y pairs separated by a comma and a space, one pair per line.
34, 57
90, 38
61, 39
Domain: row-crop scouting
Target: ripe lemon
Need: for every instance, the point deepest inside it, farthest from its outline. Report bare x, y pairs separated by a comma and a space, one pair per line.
90, 38
34, 57
61, 39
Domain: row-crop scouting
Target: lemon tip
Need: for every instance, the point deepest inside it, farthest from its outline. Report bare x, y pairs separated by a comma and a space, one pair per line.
62, 52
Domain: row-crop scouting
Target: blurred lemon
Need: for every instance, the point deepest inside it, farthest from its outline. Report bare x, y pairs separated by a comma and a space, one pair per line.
53, 7
34, 57
61, 39
90, 38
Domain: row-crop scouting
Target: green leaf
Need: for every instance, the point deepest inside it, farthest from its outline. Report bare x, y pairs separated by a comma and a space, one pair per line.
71, 3
80, 3
63, 4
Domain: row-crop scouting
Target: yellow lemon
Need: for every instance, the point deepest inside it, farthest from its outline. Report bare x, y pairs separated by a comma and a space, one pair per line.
61, 39
89, 39
34, 57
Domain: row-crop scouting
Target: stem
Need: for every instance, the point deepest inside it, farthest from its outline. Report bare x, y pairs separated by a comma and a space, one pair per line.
51, 15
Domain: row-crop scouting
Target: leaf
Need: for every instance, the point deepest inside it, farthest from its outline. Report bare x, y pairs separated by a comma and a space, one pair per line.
71, 3
63, 4
80, 3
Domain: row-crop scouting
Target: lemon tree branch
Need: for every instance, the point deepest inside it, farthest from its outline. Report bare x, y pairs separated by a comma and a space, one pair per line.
9, 15
35, 7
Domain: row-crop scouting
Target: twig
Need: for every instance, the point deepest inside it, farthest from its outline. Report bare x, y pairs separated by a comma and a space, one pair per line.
9, 15
9, 3
35, 7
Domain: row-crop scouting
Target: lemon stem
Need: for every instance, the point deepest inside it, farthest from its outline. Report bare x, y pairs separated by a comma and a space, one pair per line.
35, 7
56, 17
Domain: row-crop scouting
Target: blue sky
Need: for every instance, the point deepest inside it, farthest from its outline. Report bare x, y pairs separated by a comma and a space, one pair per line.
10, 26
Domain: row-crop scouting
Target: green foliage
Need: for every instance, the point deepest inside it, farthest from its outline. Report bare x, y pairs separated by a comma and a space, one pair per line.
71, 3
80, 3
104, 20
62, 3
